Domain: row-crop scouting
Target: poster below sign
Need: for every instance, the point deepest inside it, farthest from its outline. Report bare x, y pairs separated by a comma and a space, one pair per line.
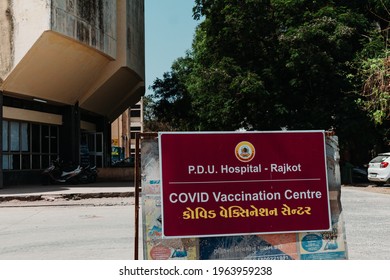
237, 183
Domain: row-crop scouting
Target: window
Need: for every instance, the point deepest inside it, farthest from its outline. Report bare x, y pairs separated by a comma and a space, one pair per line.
29, 146
135, 113
134, 131
14, 136
5, 136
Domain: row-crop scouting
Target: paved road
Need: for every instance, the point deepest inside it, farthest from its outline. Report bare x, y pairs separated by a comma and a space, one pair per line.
103, 229
76, 231
367, 221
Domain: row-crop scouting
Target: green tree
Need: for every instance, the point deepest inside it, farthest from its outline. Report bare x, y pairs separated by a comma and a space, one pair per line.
234, 53
170, 107
373, 64
272, 64
372, 77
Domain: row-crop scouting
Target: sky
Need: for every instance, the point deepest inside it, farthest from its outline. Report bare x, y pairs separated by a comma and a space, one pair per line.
169, 31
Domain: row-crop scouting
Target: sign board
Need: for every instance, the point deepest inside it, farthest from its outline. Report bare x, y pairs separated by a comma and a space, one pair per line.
215, 184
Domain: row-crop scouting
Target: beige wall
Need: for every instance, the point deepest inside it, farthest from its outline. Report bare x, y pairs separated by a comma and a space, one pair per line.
31, 116
66, 53
6, 36
19, 29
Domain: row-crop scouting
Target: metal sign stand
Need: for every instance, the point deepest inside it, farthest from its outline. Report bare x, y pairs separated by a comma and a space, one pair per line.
137, 185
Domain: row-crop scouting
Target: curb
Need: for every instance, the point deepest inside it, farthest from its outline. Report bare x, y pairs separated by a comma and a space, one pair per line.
71, 196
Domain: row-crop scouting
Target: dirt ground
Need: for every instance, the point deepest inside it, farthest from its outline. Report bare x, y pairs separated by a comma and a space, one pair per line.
370, 188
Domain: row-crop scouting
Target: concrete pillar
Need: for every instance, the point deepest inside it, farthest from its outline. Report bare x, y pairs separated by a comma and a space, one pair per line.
70, 135
107, 142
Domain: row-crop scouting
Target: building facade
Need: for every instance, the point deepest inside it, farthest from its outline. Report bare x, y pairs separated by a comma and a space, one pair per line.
68, 70
124, 130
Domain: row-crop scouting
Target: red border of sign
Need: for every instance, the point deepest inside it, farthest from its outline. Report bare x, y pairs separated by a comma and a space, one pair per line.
199, 169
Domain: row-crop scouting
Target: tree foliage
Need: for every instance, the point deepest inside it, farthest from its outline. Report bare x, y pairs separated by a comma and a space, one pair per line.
273, 64
376, 88
373, 64
173, 103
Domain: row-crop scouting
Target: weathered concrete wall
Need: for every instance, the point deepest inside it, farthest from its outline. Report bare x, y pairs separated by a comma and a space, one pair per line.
69, 51
6, 34
21, 24
135, 35
92, 22
30, 20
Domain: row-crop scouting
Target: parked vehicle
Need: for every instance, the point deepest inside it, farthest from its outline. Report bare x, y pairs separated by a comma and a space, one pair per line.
379, 169
57, 172
351, 174
127, 162
88, 175
359, 174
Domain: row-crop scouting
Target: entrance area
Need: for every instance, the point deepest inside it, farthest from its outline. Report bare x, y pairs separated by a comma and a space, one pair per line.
92, 147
